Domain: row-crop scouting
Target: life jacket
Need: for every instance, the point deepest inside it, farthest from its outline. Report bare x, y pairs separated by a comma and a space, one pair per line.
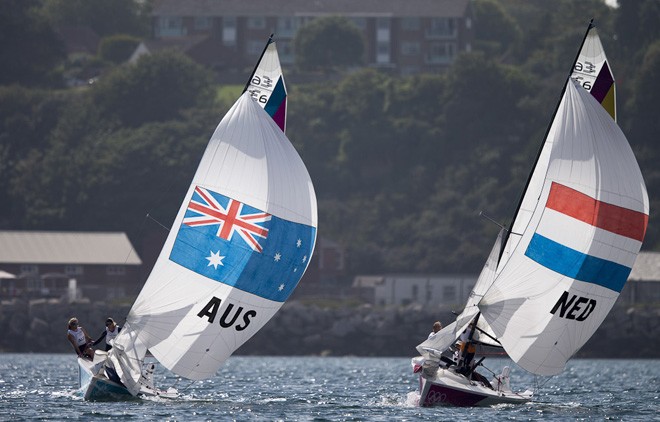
78, 335
110, 335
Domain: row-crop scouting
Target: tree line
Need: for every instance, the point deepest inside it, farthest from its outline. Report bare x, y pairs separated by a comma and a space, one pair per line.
402, 166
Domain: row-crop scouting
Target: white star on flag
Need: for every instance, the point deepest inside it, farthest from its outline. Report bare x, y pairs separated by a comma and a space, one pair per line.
277, 257
304, 259
215, 259
281, 287
299, 243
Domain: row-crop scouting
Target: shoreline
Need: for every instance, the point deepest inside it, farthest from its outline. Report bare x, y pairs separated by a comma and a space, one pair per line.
313, 330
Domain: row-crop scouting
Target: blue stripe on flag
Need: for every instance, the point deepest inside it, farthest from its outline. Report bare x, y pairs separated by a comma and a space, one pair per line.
577, 265
272, 274
276, 98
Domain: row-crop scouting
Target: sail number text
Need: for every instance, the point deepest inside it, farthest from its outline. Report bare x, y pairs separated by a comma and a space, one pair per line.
577, 307
211, 309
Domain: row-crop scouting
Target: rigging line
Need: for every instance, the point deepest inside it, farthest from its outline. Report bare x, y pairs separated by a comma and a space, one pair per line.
492, 220
187, 387
547, 131
157, 222
139, 236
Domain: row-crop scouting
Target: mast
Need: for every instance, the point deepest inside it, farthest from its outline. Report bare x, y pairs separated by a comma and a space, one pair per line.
270, 40
547, 131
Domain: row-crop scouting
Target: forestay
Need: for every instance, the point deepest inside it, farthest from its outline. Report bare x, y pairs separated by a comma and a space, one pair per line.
574, 241
240, 243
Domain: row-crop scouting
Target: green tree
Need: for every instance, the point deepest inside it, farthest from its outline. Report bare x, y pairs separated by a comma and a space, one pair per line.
27, 117
328, 44
642, 129
117, 48
496, 31
29, 48
157, 88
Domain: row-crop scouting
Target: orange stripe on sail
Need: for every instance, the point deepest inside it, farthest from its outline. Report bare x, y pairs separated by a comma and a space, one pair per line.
613, 218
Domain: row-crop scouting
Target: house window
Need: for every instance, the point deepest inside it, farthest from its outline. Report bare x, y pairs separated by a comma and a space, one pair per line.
449, 292
383, 52
361, 23
382, 30
73, 270
29, 269
410, 24
202, 22
286, 27
170, 26
441, 27
441, 53
410, 48
256, 22
229, 31
115, 270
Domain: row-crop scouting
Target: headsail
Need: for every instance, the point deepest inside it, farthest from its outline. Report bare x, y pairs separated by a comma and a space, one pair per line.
593, 73
448, 335
240, 243
586, 212
266, 85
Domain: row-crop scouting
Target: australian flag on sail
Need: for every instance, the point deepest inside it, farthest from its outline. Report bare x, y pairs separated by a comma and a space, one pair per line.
236, 244
577, 215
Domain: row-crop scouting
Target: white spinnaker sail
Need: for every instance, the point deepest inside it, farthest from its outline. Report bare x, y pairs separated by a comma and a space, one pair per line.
585, 215
240, 243
267, 87
593, 72
485, 334
450, 333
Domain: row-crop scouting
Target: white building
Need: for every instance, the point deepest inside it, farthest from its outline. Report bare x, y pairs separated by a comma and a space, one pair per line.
643, 286
427, 290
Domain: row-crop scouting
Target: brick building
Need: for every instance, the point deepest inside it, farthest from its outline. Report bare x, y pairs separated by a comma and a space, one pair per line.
404, 37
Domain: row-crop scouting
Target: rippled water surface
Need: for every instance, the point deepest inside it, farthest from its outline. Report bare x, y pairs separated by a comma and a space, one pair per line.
44, 387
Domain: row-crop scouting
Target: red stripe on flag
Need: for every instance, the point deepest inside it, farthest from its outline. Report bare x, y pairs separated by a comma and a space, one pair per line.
612, 218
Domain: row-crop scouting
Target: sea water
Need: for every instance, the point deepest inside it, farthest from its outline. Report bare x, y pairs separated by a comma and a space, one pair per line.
44, 387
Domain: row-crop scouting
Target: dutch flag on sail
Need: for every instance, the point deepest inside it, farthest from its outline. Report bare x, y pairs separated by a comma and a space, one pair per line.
569, 218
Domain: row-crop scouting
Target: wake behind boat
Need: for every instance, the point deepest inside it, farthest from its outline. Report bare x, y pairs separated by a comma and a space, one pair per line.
240, 243
551, 279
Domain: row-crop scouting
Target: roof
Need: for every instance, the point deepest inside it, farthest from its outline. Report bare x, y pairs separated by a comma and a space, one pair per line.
355, 8
646, 268
5, 274
45, 247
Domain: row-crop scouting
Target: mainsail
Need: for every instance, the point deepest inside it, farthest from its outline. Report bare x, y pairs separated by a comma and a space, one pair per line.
266, 85
578, 229
240, 243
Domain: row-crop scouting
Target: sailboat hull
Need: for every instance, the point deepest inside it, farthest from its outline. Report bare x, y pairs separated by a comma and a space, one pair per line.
96, 386
446, 387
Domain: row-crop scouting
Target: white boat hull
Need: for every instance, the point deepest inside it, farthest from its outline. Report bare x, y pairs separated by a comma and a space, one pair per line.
446, 387
96, 386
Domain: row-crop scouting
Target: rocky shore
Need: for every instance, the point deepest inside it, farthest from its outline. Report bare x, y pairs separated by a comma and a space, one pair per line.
39, 326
